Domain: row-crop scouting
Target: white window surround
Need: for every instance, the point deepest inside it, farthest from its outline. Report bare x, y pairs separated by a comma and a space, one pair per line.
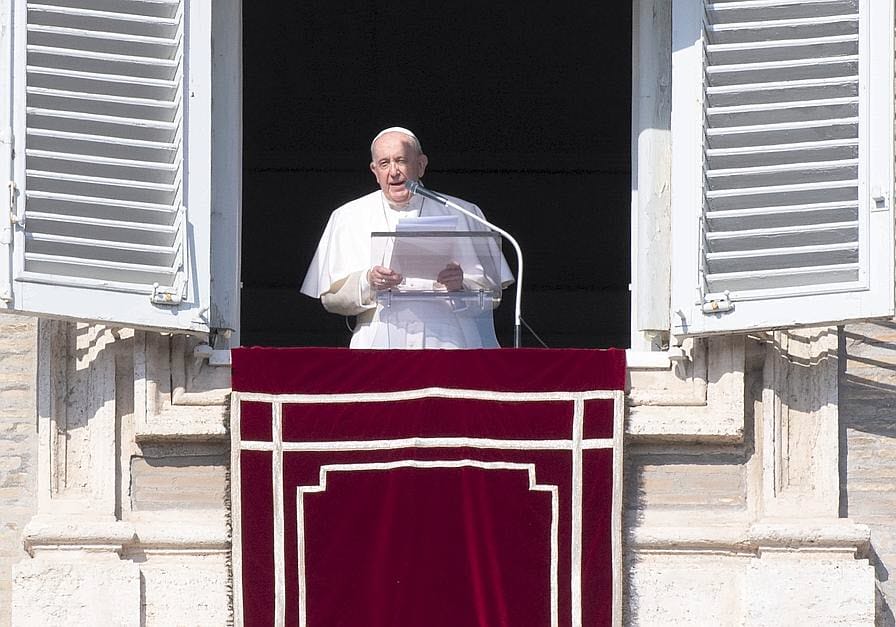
652, 160
670, 395
651, 151
225, 169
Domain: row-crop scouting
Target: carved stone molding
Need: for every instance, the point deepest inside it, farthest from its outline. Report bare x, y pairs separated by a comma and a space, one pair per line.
698, 399
764, 574
77, 416
826, 535
769, 572
75, 574
178, 394
92, 559
798, 431
54, 533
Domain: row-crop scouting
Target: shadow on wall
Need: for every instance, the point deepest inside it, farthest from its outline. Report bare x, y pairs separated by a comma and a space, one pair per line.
869, 362
868, 445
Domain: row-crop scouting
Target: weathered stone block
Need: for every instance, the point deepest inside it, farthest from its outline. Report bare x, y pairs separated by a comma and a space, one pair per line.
798, 588
178, 482
183, 589
85, 591
679, 589
685, 482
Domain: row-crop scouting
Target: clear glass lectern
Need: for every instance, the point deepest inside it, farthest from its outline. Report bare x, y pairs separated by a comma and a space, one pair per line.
421, 312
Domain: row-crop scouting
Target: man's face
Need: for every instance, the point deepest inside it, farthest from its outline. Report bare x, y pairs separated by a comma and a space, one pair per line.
395, 160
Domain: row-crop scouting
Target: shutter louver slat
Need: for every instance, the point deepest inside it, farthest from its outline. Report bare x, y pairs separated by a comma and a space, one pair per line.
784, 49
770, 195
782, 154
148, 233
836, 278
63, 8
101, 56
92, 159
788, 173
103, 158
754, 114
772, 255
108, 250
62, 34
117, 273
54, 76
781, 166
830, 233
131, 143
799, 217
96, 204
107, 183
738, 134
746, 10
117, 100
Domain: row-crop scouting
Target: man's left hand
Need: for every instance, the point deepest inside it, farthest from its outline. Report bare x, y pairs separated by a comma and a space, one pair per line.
452, 277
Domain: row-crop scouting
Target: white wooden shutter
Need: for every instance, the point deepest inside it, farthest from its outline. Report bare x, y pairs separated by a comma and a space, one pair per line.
111, 159
782, 138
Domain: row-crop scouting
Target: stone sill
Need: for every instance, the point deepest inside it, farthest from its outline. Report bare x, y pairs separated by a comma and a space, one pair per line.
204, 532
825, 535
655, 360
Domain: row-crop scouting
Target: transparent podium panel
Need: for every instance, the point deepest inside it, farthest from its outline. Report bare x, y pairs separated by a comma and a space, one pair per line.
421, 312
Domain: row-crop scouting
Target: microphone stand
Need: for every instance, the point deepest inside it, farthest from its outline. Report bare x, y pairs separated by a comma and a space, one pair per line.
415, 187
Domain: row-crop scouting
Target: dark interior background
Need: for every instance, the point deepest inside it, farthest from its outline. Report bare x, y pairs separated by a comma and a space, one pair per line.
522, 108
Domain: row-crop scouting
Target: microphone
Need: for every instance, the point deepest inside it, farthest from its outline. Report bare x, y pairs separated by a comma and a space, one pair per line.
415, 187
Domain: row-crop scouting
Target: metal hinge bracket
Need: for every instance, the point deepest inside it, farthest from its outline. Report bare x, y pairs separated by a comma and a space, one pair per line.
717, 303
880, 198
14, 216
174, 295
171, 296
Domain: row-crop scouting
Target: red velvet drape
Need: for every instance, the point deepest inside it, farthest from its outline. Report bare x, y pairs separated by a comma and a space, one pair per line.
391, 519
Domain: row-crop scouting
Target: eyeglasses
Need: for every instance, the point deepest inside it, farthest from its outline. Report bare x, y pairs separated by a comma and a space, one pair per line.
385, 164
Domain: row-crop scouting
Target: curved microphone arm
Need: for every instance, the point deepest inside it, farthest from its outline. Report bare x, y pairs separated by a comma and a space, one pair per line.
416, 188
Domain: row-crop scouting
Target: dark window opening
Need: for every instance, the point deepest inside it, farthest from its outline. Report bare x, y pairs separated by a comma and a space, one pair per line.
524, 109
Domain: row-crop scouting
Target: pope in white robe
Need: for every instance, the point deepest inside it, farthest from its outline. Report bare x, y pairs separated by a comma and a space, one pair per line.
347, 279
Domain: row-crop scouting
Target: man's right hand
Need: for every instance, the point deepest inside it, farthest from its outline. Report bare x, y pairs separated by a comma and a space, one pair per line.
382, 278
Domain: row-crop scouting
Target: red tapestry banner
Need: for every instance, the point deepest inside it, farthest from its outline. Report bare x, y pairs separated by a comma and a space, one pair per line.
406, 488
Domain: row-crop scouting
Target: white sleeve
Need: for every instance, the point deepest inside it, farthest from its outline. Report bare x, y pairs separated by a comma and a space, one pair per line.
346, 296
365, 296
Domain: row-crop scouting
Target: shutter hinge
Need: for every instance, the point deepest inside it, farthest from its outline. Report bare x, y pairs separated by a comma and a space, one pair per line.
6, 238
171, 296
7, 140
880, 199
15, 217
717, 303
216, 355
174, 295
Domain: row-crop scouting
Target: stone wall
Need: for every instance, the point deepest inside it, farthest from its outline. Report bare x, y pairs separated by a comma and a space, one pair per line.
18, 444
868, 447
732, 510
128, 526
742, 526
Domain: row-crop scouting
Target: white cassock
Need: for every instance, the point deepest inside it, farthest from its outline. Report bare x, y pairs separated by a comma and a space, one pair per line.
338, 276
